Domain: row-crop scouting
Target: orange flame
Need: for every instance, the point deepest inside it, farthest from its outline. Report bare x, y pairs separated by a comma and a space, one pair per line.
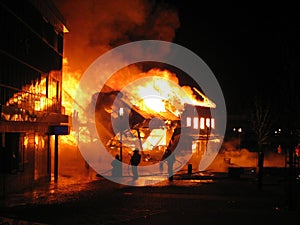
158, 92
34, 96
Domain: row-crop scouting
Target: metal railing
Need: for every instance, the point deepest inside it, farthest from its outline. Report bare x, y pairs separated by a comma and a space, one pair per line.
22, 105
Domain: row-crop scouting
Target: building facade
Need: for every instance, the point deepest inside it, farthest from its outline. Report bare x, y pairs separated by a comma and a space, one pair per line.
32, 115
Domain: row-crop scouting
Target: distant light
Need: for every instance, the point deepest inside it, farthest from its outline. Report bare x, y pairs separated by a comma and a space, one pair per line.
234, 129
240, 130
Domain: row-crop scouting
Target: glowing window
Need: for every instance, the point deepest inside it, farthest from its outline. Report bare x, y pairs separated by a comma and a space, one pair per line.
188, 121
196, 121
121, 111
207, 122
212, 123
201, 123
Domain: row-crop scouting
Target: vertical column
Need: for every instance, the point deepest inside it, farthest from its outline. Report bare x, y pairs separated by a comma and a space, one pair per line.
56, 158
48, 156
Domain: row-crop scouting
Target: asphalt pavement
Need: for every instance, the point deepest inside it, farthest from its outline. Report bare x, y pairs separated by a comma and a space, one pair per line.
201, 198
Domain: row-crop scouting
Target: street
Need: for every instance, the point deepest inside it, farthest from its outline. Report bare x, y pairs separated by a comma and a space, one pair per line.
219, 200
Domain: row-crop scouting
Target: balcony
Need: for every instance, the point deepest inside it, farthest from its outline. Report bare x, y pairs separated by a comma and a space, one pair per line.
29, 111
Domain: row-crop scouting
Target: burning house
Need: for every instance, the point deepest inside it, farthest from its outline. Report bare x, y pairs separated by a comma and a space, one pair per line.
151, 114
32, 115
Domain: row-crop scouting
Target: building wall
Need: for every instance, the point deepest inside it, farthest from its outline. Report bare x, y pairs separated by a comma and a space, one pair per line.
30, 46
31, 54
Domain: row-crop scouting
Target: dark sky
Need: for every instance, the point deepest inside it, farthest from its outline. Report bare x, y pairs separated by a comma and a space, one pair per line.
253, 49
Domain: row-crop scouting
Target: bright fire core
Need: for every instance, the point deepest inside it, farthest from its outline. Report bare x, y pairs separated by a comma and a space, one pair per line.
154, 104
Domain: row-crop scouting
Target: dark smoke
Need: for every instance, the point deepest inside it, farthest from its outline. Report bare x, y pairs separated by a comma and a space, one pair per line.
99, 25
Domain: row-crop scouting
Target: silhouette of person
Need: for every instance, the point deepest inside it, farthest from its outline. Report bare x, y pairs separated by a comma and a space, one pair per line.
135, 161
117, 167
170, 158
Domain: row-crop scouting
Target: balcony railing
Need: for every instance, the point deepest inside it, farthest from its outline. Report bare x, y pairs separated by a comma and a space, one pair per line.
21, 105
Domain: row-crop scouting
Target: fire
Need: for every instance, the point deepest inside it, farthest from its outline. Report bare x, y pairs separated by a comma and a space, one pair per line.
35, 96
154, 91
159, 91
70, 84
154, 103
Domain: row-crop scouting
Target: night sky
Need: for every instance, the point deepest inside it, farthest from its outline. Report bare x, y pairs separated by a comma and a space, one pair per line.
253, 49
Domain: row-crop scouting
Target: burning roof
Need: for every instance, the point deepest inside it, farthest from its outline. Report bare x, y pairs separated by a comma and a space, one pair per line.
152, 98
156, 94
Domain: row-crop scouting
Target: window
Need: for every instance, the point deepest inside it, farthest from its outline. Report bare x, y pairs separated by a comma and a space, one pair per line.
196, 123
202, 123
188, 121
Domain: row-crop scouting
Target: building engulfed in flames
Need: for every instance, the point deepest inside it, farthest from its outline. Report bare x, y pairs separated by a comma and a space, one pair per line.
32, 114
128, 119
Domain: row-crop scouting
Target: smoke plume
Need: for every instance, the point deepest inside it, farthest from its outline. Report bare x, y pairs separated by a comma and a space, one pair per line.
95, 26
231, 156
